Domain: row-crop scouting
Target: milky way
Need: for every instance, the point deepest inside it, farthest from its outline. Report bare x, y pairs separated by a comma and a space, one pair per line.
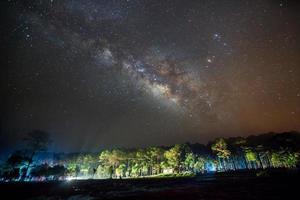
136, 73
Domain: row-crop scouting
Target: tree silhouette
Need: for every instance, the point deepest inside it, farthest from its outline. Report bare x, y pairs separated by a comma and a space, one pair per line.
36, 141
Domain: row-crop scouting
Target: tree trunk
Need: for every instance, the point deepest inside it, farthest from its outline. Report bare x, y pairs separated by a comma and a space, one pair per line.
246, 162
27, 166
260, 161
234, 164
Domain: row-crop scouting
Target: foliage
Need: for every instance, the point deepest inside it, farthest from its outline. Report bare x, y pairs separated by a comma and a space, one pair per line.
251, 156
220, 147
273, 151
284, 158
44, 170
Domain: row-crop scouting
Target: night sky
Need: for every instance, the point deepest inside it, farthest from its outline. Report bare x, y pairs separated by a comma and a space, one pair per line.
100, 74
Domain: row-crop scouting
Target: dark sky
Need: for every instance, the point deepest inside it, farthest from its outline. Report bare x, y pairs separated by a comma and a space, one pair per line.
99, 74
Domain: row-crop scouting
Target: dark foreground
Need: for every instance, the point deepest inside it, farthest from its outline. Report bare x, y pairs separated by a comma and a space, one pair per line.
238, 185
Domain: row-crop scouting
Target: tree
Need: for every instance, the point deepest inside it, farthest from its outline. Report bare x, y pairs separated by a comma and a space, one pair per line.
16, 161
238, 147
106, 162
190, 161
37, 141
111, 160
175, 157
40, 171
77, 171
57, 171
220, 147
155, 155
284, 158
86, 163
262, 156
251, 157
142, 162
199, 165
72, 165
194, 163
121, 170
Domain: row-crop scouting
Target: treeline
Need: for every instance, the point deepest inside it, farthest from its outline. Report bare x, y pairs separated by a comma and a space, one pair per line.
270, 150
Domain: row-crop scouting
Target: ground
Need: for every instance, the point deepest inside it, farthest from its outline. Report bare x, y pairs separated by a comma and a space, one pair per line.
236, 185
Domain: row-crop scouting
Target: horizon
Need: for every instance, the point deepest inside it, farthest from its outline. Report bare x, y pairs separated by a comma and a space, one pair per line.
49, 150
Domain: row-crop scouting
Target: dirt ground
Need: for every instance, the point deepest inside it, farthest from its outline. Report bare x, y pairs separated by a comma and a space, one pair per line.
223, 186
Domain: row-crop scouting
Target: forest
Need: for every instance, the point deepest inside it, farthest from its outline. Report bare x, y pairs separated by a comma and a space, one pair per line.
35, 163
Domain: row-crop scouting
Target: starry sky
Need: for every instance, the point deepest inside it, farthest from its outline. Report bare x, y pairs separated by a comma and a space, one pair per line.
100, 74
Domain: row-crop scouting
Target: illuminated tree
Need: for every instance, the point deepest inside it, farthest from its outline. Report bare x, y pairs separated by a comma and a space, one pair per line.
194, 163
239, 149
292, 159
156, 156
284, 158
175, 157
263, 156
142, 162
277, 159
190, 161
72, 165
87, 164
220, 147
199, 165
111, 160
121, 170
251, 157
